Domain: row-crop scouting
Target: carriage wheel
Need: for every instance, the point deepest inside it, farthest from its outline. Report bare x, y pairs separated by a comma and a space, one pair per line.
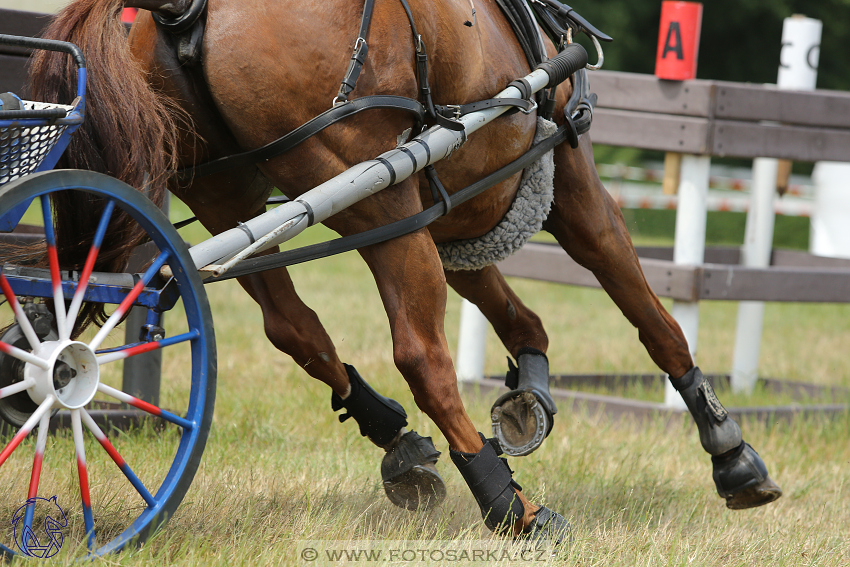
100, 505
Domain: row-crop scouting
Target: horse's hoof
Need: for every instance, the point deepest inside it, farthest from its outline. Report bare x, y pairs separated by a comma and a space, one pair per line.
548, 529
420, 488
741, 478
410, 476
520, 422
763, 493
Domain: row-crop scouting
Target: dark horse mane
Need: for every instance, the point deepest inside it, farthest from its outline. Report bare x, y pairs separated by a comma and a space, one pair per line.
137, 145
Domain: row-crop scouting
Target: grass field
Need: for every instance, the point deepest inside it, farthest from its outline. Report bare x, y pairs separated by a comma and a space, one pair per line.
279, 470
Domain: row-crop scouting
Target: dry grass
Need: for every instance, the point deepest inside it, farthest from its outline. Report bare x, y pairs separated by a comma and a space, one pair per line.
279, 469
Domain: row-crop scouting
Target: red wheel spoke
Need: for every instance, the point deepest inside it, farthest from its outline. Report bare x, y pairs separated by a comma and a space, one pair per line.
21, 317
119, 460
85, 495
40, 444
145, 347
115, 318
26, 428
88, 268
145, 406
53, 259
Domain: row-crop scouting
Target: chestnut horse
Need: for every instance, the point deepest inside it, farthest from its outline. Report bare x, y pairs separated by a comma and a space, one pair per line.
268, 66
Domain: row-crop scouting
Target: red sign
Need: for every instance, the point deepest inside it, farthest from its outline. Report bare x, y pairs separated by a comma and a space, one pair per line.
128, 15
678, 40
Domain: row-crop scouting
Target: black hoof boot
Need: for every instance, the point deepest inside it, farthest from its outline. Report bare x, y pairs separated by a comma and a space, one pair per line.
549, 529
380, 419
409, 473
523, 417
741, 478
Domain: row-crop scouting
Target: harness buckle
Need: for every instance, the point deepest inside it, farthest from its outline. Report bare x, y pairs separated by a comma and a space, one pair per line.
420, 47
456, 108
531, 109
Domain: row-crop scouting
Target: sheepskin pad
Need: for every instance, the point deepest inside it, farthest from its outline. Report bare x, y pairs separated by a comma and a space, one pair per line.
524, 219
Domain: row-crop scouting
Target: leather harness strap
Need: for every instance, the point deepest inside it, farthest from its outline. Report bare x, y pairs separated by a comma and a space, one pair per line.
358, 57
305, 131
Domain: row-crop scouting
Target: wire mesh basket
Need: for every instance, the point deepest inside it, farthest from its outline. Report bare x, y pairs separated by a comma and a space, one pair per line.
24, 146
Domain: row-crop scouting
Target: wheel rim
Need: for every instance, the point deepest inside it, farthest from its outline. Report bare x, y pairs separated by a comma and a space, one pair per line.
58, 374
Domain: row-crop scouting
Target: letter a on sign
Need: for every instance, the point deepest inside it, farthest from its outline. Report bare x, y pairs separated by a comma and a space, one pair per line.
678, 40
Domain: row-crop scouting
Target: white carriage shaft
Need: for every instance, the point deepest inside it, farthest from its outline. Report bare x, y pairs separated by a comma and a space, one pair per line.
351, 186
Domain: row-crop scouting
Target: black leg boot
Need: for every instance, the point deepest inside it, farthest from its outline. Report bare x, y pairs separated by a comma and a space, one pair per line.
491, 481
739, 473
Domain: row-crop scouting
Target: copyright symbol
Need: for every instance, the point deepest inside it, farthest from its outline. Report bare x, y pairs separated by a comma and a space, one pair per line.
309, 554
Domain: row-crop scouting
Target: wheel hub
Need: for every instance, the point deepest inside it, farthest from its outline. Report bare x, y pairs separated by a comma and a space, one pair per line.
72, 375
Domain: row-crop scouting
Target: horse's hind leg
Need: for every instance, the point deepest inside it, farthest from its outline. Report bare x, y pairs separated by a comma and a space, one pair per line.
589, 226
522, 417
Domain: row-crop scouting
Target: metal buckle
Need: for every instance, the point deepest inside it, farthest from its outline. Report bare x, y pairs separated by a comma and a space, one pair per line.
530, 110
456, 108
357, 43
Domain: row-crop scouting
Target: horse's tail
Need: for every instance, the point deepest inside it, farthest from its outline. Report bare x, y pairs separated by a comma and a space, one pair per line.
130, 131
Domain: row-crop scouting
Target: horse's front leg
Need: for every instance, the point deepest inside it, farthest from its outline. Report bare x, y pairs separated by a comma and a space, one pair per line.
589, 226
522, 417
410, 280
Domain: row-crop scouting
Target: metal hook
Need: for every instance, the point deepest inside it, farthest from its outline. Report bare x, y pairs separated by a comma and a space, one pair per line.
600, 60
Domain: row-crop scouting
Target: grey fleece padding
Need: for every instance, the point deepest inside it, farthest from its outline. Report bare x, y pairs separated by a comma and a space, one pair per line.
524, 219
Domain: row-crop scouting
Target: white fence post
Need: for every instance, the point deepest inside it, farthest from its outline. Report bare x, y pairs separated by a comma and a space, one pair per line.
830, 230
689, 249
470, 343
797, 71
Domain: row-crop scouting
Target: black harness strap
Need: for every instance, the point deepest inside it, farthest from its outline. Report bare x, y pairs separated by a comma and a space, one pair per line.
458, 110
438, 192
358, 57
422, 75
300, 134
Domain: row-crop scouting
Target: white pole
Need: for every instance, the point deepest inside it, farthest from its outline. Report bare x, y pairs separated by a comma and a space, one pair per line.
470, 344
830, 230
689, 249
797, 71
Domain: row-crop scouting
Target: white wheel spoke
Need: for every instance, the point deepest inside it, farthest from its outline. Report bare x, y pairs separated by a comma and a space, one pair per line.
15, 388
23, 355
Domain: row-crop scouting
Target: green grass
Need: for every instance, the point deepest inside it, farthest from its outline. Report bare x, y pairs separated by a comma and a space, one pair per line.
279, 469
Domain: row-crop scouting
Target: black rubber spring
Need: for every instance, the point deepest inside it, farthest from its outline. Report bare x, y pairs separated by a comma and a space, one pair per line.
564, 64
